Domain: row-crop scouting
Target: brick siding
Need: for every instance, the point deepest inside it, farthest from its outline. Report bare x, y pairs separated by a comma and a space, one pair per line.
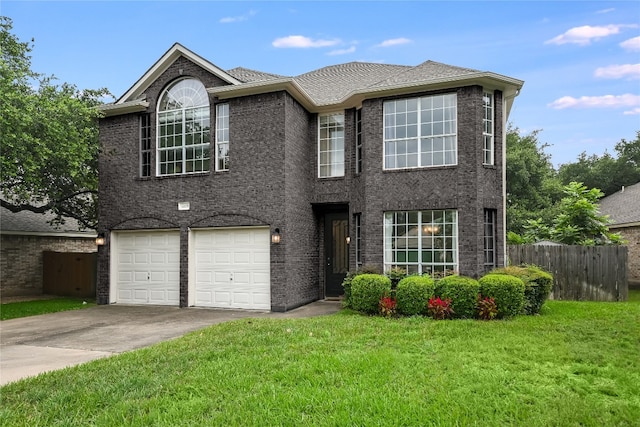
21, 260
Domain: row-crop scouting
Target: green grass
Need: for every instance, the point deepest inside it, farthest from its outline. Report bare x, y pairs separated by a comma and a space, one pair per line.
576, 364
14, 310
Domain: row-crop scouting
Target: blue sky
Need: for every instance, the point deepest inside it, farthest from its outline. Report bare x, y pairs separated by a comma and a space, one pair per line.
580, 60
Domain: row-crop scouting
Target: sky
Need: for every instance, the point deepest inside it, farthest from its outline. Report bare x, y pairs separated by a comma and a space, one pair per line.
580, 60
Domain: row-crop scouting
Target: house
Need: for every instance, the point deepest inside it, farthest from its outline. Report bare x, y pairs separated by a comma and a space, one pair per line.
251, 190
623, 208
24, 239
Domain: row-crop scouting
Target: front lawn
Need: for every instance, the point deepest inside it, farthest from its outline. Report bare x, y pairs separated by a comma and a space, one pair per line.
14, 310
575, 364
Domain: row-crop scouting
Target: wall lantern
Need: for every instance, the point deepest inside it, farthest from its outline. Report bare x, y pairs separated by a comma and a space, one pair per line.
275, 237
100, 240
348, 239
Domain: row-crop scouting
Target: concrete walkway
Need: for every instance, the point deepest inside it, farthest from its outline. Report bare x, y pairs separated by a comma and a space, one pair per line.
32, 345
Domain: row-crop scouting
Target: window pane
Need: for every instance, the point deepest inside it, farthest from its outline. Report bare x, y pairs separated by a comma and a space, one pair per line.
331, 145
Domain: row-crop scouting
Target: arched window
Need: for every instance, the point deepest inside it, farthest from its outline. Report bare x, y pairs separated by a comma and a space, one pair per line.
183, 128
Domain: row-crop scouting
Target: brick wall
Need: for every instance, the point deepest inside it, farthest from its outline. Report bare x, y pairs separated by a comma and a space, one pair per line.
21, 260
632, 235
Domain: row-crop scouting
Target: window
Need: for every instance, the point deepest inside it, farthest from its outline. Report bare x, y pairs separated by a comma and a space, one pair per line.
357, 219
489, 239
421, 241
183, 129
222, 137
145, 145
359, 140
487, 129
331, 145
420, 132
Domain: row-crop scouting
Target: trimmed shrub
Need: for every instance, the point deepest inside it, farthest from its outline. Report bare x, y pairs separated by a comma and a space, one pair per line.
463, 293
413, 293
367, 290
537, 285
346, 283
507, 292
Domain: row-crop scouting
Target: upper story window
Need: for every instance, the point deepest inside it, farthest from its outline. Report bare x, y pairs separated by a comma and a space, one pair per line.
183, 129
331, 145
145, 145
420, 132
222, 137
359, 140
487, 129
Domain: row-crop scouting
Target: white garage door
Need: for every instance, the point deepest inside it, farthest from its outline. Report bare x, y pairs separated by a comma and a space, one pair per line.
232, 268
147, 267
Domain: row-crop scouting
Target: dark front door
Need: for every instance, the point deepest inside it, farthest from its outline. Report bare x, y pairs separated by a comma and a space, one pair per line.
336, 252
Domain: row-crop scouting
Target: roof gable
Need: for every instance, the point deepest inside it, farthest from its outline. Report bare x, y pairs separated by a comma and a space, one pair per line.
161, 65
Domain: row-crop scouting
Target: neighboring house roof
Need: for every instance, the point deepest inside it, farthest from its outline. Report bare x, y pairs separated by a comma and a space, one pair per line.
329, 88
34, 224
622, 207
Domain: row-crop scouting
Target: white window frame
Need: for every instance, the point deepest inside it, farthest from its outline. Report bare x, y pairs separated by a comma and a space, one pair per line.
191, 102
222, 137
331, 145
433, 234
420, 132
490, 238
488, 121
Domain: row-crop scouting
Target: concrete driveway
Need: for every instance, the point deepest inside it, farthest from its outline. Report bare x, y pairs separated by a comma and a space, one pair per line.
31, 345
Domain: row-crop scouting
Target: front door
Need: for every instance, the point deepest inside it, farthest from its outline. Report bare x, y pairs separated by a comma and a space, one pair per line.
336, 252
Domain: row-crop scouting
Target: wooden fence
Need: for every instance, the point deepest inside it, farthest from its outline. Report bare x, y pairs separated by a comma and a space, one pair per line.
69, 274
580, 273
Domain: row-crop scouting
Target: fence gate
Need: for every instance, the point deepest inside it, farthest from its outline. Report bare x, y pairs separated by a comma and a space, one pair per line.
69, 274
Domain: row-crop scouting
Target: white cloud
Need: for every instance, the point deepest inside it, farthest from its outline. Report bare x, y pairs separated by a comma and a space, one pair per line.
611, 9
342, 51
302, 42
233, 19
605, 101
632, 112
631, 71
632, 44
394, 42
583, 36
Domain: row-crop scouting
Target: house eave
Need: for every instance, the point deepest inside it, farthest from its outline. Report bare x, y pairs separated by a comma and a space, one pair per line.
510, 86
137, 106
257, 88
65, 234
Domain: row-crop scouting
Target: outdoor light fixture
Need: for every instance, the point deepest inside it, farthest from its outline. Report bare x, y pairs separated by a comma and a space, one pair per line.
100, 240
348, 239
275, 237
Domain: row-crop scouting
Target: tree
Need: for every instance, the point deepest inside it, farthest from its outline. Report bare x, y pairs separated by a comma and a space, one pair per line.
579, 222
533, 189
49, 139
606, 172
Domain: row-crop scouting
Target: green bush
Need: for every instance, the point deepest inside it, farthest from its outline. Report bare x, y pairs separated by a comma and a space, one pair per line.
537, 285
412, 295
463, 293
367, 290
507, 291
346, 283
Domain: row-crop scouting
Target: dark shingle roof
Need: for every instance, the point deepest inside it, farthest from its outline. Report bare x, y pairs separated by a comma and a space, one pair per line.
622, 207
32, 223
246, 75
333, 83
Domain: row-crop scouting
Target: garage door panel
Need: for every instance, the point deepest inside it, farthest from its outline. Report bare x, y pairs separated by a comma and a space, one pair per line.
148, 267
228, 262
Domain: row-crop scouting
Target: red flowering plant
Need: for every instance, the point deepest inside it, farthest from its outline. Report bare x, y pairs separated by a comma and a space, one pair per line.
440, 309
487, 308
387, 306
